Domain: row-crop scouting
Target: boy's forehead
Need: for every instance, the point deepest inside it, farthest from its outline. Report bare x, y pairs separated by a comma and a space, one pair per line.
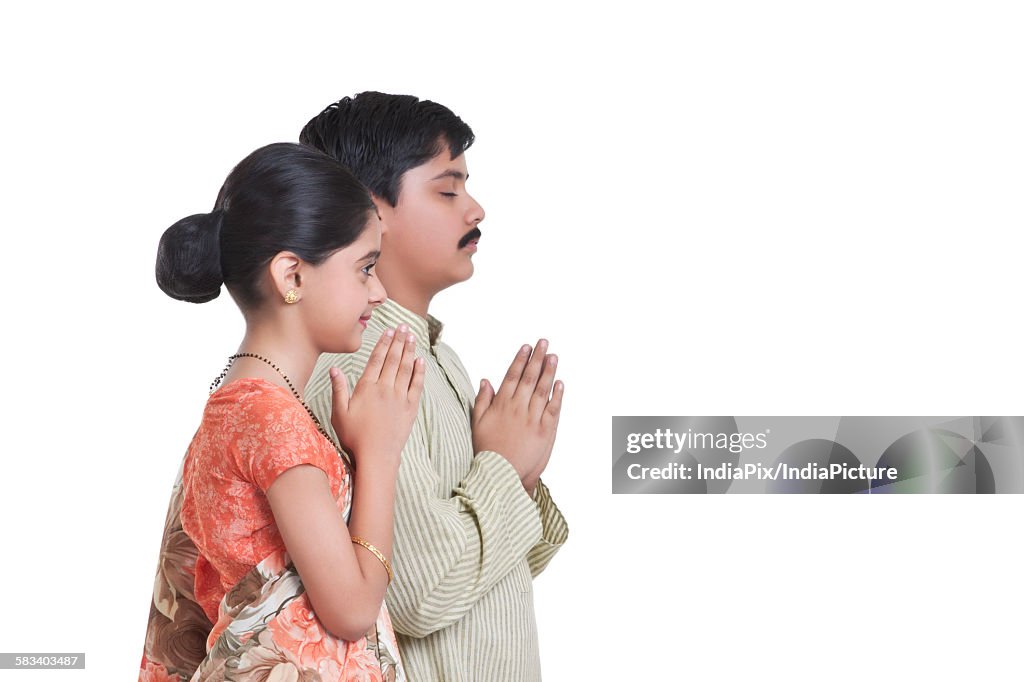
441, 166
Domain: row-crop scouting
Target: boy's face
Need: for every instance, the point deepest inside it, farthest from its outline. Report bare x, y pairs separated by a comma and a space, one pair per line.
430, 236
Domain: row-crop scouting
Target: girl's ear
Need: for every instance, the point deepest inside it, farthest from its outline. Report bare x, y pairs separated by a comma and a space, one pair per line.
286, 275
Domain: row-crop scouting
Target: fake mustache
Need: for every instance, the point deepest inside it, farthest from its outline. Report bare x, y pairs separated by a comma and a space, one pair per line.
475, 233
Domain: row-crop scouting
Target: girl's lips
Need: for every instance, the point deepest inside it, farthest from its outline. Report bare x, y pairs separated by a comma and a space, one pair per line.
364, 320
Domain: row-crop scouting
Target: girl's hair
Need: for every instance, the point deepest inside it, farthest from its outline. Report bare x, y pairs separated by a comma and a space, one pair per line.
282, 197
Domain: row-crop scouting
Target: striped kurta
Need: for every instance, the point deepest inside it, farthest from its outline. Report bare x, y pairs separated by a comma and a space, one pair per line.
468, 538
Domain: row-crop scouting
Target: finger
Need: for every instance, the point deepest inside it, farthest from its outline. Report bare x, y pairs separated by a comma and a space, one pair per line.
515, 372
554, 408
419, 371
539, 400
484, 397
405, 365
531, 373
339, 391
375, 362
394, 356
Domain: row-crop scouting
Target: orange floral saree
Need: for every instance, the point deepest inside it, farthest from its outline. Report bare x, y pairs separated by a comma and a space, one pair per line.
265, 629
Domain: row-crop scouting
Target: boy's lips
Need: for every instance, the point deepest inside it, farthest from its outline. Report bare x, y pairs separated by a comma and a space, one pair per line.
363, 320
471, 237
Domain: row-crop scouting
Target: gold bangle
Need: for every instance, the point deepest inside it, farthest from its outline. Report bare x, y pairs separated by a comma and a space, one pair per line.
377, 553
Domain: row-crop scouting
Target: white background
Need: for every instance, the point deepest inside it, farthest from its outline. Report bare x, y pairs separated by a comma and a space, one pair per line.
723, 208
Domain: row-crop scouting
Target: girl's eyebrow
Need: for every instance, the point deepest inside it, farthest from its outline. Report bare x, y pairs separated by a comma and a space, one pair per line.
370, 256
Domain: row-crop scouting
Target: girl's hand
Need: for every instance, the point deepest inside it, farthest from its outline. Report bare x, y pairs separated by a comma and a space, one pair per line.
373, 422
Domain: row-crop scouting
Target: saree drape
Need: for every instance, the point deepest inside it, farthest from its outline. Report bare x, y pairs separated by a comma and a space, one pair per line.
265, 630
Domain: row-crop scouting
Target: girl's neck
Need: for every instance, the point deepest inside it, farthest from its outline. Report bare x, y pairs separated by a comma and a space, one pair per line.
292, 357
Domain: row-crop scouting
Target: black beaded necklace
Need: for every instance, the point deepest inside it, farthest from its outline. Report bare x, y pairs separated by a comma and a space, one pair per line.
231, 361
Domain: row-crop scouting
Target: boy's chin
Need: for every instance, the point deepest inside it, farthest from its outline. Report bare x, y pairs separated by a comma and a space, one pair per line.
464, 272
453, 276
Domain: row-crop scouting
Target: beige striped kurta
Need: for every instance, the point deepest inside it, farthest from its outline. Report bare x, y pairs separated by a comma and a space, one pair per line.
468, 538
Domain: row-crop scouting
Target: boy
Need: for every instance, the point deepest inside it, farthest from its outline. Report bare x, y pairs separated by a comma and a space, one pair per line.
473, 522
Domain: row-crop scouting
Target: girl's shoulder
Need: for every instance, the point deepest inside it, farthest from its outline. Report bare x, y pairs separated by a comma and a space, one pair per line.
251, 389
253, 397
257, 430
256, 407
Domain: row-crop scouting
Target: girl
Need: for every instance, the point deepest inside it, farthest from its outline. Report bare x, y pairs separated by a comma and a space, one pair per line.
260, 578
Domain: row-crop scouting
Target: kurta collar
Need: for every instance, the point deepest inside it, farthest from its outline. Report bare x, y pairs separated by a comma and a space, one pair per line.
391, 314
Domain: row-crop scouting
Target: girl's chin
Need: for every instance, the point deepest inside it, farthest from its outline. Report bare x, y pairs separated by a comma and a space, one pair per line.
350, 346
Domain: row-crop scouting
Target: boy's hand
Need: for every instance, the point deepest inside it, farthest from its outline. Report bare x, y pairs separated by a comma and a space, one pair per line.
520, 421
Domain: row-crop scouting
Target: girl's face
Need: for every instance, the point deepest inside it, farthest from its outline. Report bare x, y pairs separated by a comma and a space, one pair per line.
340, 293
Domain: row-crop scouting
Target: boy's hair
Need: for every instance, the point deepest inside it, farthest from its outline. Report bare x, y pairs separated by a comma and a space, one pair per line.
380, 136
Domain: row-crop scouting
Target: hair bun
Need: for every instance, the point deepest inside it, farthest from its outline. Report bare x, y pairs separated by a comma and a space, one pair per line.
188, 258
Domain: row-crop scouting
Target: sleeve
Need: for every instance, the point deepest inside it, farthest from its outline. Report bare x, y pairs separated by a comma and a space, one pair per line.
554, 531
450, 551
278, 436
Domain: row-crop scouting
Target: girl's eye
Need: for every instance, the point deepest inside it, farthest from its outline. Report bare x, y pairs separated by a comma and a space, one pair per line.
449, 194
367, 270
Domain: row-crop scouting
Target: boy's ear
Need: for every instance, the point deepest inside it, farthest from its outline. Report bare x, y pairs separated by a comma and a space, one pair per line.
384, 211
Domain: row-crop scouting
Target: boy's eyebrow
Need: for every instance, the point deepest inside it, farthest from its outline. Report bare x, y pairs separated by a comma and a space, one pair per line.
452, 173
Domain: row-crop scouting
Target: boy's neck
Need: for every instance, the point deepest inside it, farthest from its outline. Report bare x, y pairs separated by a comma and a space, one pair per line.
411, 299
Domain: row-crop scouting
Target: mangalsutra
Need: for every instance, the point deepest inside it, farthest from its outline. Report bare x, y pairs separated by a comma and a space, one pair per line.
231, 361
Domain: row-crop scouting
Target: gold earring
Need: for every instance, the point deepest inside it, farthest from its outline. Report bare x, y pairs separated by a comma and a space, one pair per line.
291, 296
